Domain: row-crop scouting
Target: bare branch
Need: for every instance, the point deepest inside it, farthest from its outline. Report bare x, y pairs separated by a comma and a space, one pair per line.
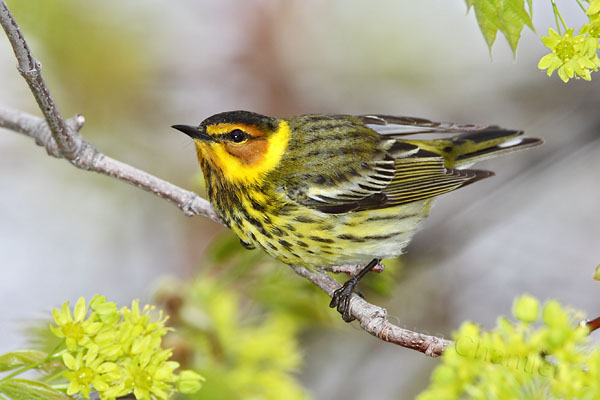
30, 69
61, 139
90, 159
373, 319
351, 269
37, 128
189, 202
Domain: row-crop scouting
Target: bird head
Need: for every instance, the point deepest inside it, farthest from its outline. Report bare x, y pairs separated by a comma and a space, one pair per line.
241, 146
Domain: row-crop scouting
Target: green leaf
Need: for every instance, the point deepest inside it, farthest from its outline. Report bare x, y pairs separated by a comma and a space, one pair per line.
506, 16
18, 359
24, 389
597, 273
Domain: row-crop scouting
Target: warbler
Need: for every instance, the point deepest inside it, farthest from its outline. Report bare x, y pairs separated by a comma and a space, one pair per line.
324, 190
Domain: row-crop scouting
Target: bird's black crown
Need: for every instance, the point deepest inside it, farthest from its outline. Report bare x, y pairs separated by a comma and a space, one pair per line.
242, 117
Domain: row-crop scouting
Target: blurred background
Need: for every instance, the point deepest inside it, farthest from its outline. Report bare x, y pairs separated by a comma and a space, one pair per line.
252, 327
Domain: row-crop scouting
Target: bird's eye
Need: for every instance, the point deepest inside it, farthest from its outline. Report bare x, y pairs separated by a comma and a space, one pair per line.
237, 136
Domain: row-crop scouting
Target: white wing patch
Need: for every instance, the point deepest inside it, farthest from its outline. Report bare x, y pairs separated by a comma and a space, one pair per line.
372, 180
511, 142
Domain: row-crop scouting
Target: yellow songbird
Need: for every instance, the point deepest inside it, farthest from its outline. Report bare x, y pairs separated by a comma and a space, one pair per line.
323, 190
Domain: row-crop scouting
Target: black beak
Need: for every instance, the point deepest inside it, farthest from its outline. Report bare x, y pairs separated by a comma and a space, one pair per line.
194, 132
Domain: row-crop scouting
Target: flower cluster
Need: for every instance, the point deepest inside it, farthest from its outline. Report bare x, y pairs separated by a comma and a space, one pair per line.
520, 360
118, 352
574, 56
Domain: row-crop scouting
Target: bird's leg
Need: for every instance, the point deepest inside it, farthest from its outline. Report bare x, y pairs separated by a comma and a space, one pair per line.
341, 297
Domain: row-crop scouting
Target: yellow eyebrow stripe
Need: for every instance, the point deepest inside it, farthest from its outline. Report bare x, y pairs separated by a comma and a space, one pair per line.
223, 128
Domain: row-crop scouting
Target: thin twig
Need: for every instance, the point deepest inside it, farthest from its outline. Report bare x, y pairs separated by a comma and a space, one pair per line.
592, 324
61, 139
30, 69
89, 158
373, 319
64, 140
351, 269
37, 128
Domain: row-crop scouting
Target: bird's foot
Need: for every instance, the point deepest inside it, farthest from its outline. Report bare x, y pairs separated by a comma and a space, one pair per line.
341, 299
342, 296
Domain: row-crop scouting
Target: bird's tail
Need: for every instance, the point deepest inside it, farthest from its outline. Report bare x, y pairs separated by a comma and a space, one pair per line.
463, 150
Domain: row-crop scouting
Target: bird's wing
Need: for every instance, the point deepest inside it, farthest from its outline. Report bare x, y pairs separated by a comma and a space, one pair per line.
424, 176
350, 190
388, 125
406, 174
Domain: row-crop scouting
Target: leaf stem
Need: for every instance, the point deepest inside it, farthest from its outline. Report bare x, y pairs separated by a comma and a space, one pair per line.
557, 15
581, 5
51, 356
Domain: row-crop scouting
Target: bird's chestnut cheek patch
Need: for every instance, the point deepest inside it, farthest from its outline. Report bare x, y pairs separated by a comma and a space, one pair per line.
250, 152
